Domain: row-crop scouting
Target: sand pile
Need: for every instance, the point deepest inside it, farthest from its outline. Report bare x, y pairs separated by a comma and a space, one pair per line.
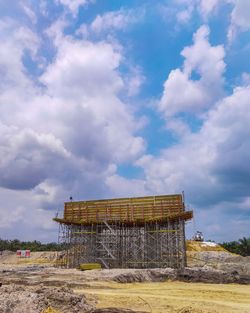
205, 275
200, 246
19, 299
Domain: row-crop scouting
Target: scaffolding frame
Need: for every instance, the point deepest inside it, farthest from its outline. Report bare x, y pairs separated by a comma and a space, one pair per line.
155, 242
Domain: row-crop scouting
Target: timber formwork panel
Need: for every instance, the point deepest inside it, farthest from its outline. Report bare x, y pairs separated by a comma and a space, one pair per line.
145, 232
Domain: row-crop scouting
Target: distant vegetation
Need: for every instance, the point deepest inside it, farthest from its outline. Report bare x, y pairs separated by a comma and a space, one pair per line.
242, 246
16, 244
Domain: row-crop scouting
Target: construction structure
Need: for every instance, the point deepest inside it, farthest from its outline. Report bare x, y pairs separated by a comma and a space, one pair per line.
142, 232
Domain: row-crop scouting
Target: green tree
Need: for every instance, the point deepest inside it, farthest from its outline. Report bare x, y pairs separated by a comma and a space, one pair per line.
242, 246
245, 246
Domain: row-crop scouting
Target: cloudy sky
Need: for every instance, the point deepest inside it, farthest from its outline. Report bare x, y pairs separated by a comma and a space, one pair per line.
110, 98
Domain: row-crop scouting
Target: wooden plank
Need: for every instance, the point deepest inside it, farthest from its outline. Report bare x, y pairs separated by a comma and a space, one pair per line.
127, 209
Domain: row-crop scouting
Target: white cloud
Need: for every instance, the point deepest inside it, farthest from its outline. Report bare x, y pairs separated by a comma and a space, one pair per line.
29, 12
184, 10
25, 151
67, 133
113, 21
106, 25
15, 42
55, 31
240, 18
134, 81
204, 60
43, 7
245, 77
109, 22
22, 217
73, 5
184, 16
75, 74
178, 127
207, 7
124, 187
210, 165
193, 96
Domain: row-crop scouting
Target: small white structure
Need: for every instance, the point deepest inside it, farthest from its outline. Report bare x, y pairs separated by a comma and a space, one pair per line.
23, 253
209, 244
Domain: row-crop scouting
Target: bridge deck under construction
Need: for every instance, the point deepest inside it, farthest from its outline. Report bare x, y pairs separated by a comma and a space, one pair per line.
142, 232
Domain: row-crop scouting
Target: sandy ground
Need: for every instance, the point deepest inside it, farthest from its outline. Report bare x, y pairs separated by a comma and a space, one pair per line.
103, 289
171, 297
147, 290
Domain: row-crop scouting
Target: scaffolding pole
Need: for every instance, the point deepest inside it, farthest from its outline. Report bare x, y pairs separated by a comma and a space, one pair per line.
116, 245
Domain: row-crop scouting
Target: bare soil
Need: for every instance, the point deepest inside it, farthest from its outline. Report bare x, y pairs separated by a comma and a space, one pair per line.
216, 281
171, 297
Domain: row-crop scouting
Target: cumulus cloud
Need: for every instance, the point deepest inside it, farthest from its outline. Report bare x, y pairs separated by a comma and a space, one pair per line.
19, 40
110, 22
124, 187
245, 77
24, 154
78, 76
113, 21
73, 5
184, 94
78, 104
22, 217
210, 165
68, 129
206, 8
184, 10
240, 18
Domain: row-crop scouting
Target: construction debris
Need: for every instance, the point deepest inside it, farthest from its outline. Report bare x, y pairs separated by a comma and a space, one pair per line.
19, 299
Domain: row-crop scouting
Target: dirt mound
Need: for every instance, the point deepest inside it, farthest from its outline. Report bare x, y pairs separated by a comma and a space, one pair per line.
19, 299
143, 275
219, 260
205, 275
198, 246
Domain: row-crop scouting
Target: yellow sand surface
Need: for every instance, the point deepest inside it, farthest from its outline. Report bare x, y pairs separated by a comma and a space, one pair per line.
197, 246
167, 297
50, 310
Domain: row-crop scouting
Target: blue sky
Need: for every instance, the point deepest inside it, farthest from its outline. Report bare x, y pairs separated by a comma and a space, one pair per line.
103, 98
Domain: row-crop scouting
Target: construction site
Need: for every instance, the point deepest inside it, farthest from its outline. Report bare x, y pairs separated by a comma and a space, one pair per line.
142, 232
125, 255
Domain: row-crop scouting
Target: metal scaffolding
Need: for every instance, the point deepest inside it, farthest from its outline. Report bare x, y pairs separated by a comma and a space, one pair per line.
148, 241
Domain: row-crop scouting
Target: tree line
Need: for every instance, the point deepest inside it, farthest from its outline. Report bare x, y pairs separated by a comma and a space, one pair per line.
14, 245
241, 247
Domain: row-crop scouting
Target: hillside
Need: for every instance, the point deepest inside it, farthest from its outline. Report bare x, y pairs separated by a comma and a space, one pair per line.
197, 246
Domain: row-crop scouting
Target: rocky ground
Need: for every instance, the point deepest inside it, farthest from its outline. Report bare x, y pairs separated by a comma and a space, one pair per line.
21, 298
211, 255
